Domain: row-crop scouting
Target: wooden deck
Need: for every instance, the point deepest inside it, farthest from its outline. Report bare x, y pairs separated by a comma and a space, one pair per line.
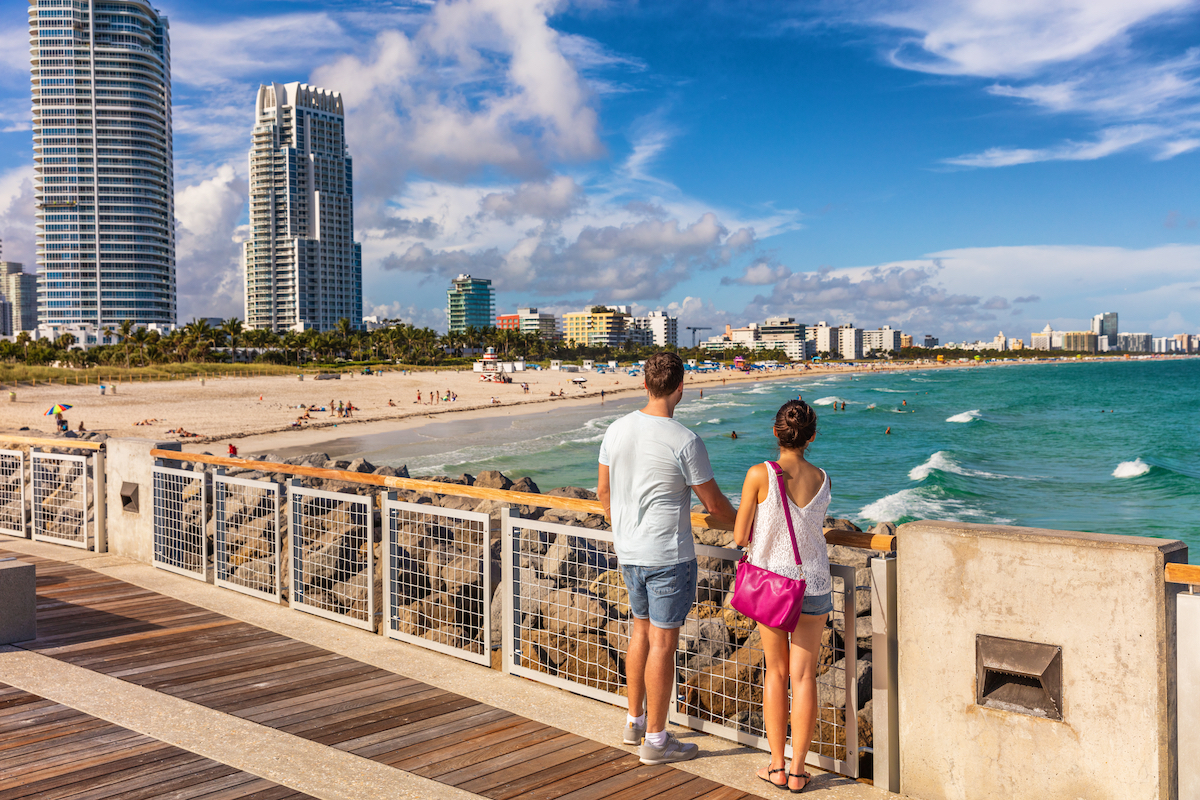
51, 752
117, 629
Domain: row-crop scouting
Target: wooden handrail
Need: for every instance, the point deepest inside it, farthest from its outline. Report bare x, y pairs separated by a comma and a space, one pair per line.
44, 442
867, 541
1183, 573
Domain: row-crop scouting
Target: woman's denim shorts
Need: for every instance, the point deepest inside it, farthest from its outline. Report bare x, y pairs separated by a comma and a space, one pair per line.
817, 605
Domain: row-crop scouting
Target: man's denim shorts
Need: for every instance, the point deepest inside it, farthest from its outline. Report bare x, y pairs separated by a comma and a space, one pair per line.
817, 605
665, 595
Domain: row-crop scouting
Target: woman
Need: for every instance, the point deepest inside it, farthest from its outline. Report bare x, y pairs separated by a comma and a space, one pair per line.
761, 525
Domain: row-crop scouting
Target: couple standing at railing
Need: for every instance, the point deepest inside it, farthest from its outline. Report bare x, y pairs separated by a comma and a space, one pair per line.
649, 466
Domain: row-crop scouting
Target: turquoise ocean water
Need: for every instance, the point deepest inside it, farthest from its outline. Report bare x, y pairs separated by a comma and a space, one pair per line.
1103, 447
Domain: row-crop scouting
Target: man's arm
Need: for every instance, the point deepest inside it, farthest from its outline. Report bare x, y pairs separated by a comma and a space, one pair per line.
716, 503
603, 490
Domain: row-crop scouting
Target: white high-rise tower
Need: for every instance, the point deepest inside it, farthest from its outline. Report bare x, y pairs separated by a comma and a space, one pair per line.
303, 267
101, 77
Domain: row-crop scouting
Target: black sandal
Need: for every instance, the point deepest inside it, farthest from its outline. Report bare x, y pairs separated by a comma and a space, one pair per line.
771, 772
807, 780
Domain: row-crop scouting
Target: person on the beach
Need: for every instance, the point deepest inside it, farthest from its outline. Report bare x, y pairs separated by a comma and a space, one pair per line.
763, 529
232, 450
391, 403
649, 466
418, 395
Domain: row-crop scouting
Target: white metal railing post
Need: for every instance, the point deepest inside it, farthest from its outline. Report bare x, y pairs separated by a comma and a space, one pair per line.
1187, 690
506, 580
885, 724
99, 503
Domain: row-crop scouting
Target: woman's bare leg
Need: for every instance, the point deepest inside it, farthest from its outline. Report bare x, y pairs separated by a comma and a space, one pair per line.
806, 647
775, 698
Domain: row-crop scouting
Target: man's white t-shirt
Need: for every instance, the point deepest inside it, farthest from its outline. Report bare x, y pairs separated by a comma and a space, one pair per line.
653, 463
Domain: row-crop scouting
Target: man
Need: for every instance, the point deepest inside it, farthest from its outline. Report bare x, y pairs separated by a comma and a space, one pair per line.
649, 466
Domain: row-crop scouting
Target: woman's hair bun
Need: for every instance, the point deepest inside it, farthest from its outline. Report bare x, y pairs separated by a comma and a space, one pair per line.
795, 424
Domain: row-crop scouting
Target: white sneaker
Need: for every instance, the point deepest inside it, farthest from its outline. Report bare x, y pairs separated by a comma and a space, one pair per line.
634, 732
672, 750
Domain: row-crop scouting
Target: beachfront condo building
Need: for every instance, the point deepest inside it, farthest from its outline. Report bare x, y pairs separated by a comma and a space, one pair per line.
599, 326
530, 320
103, 164
303, 268
656, 329
1079, 342
884, 340
19, 290
850, 341
471, 302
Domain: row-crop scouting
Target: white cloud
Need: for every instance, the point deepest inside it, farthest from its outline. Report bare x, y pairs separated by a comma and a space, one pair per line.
208, 249
1019, 38
267, 48
635, 260
482, 83
548, 200
1080, 57
17, 216
1110, 141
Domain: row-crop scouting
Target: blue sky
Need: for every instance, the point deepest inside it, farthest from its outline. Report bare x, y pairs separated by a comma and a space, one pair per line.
953, 169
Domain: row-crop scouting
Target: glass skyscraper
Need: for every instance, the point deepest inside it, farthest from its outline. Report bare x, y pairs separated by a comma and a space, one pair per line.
303, 267
101, 74
471, 303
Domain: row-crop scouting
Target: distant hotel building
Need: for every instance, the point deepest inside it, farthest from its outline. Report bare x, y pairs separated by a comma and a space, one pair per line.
19, 290
600, 326
471, 302
529, 320
656, 329
303, 267
104, 184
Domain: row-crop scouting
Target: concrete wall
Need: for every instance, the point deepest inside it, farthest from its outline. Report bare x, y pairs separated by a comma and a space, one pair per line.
1102, 599
131, 534
1189, 694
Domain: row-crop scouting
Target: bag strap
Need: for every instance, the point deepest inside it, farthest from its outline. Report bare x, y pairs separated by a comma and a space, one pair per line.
787, 511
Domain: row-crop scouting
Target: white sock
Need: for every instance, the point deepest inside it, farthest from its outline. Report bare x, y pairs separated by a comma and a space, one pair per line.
656, 739
638, 721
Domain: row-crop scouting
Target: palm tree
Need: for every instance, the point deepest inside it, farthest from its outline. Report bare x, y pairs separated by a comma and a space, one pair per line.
232, 328
23, 340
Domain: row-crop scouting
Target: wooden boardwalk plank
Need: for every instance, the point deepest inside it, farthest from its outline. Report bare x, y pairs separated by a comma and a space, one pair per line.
105, 625
79, 757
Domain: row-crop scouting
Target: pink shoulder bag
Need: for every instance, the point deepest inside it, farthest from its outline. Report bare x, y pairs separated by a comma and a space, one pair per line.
768, 597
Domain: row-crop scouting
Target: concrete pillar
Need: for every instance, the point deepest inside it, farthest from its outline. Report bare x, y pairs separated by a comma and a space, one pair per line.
1188, 636
131, 532
18, 599
1100, 601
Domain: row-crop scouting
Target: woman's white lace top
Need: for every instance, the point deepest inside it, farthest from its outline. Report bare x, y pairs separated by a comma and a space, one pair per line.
771, 549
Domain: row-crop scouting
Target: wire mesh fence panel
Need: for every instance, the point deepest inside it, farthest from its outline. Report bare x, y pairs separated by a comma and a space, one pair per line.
247, 536
60, 498
12, 493
180, 535
720, 668
438, 579
333, 555
566, 619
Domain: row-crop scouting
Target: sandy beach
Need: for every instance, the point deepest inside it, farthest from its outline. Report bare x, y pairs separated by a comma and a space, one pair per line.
261, 413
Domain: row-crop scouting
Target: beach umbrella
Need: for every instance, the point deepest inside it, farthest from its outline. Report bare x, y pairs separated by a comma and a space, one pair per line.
57, 408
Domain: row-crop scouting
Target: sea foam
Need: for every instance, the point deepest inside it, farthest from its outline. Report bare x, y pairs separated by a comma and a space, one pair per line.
966, 416
1131, 469
827, 401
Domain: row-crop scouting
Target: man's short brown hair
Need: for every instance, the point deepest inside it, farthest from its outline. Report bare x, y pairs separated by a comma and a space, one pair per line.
664, 374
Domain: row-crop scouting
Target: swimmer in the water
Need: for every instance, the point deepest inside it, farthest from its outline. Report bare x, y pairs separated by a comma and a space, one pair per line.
733, 435
903, 402
843, 405
889, 430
